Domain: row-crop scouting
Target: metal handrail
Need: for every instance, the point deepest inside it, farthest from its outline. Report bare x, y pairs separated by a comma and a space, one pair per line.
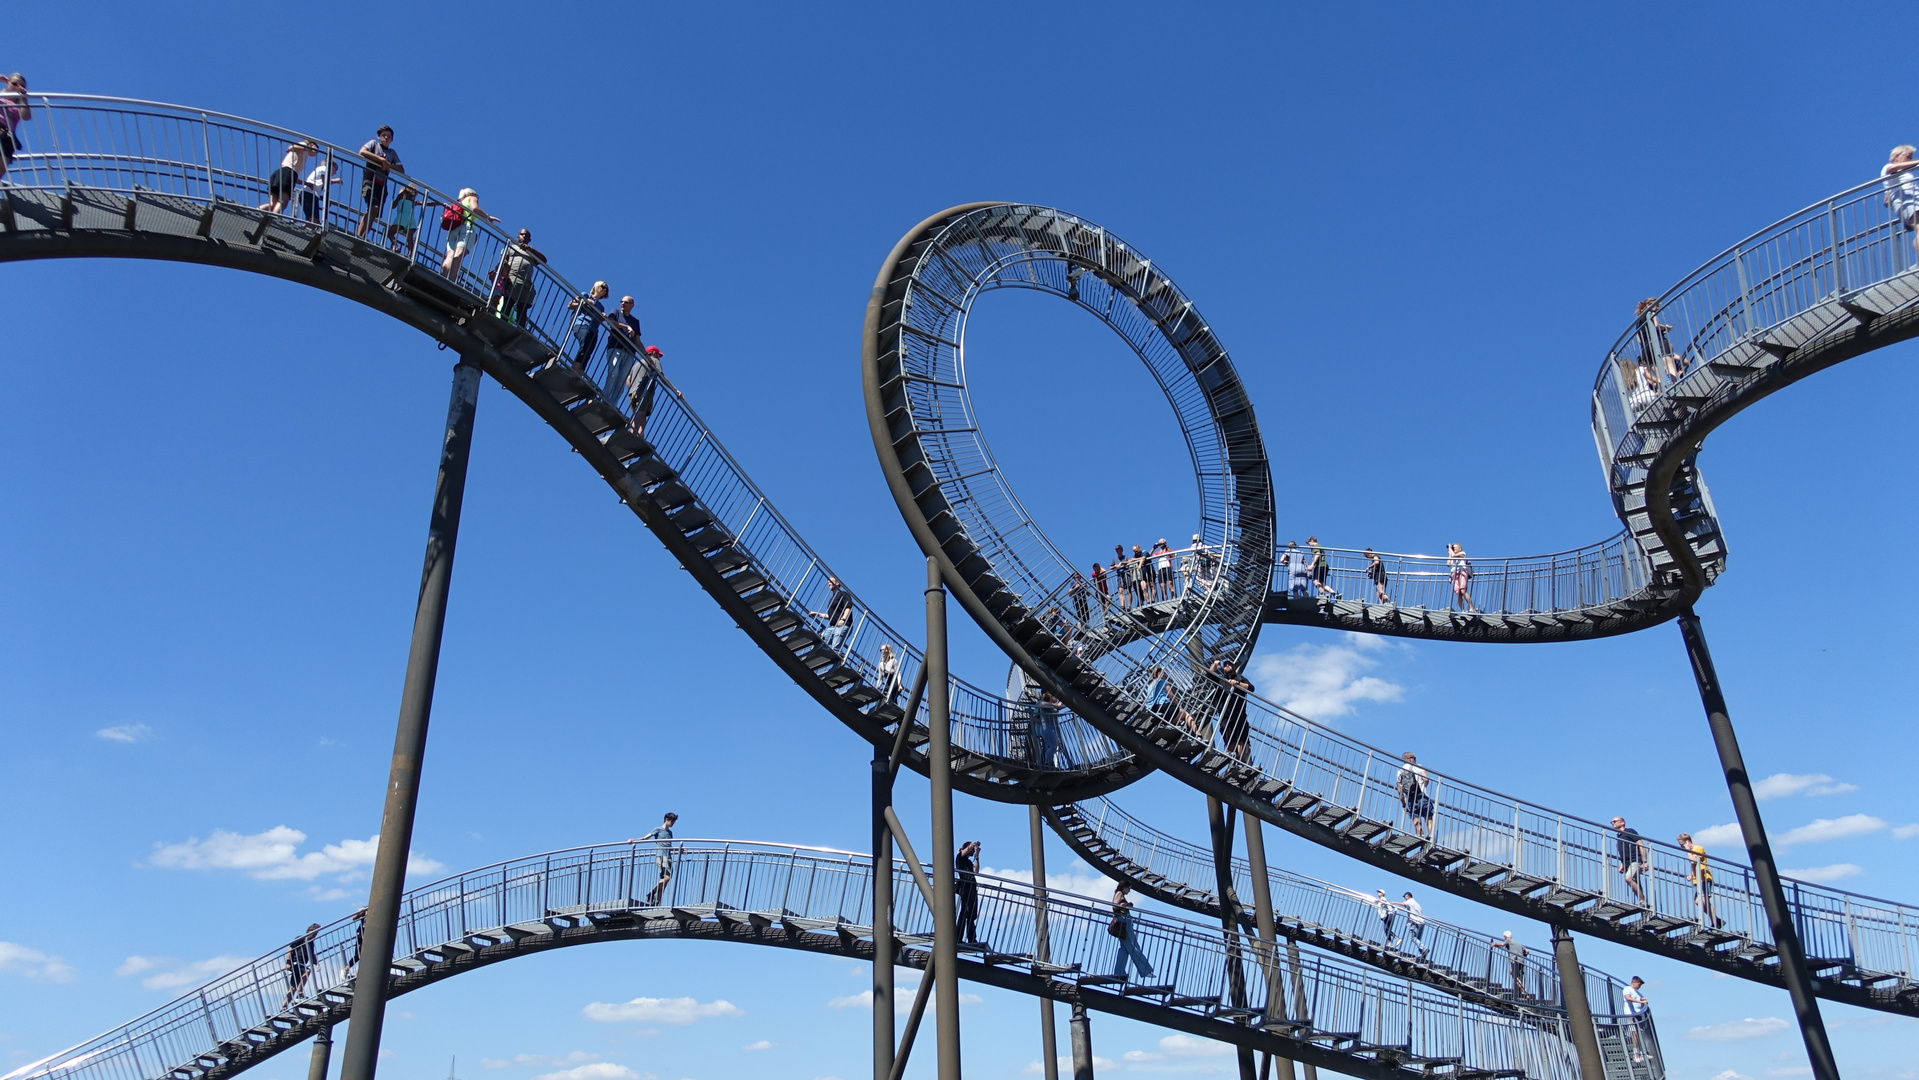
1593, 576
828, 890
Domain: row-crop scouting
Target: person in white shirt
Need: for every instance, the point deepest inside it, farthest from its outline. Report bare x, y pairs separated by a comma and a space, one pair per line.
1415, 923
316, 186
1638, 1006
1902, 190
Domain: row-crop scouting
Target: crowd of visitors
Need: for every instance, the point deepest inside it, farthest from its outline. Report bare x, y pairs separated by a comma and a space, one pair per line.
1147, 576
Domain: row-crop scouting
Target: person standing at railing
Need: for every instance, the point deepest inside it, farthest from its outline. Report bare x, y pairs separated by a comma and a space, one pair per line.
1321, 567
1142, 574
1299, 571
966, 889
1122, 928
301, 956
1076, 592
14, 111
1902, 190
662, 856
513, 286
315, 188
1203, 562
1460, 570
1414, 789
589, 312
286, 179
889, 674
1515, 961
1655, 347
1415, 923
623, 347
405, 222
1376, 573
1105, 596
1163, 570
838, 614
642, 386
462, 224
1699, 874
381, 159
1386, 911
1233, 730
1639, 1009
1633, 856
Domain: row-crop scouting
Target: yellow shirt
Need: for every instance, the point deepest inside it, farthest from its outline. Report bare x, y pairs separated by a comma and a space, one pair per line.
1699, 867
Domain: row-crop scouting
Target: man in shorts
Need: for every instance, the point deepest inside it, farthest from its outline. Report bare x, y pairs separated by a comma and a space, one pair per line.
1633, 856
380, 159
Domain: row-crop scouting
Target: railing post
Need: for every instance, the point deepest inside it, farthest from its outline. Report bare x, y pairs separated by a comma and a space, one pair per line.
1838, 260
1745, 292
1785, 936
409, 742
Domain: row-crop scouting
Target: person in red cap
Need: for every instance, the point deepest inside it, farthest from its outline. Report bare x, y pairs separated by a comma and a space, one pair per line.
641, 384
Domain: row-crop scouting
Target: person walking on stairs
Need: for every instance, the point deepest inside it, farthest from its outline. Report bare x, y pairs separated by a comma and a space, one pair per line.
1122, 928
966, 889
1415, 924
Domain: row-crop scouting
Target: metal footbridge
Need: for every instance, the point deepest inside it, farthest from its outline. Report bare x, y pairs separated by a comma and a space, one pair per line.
104, 177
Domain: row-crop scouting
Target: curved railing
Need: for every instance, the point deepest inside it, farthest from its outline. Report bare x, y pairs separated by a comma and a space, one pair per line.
167, 167
1320, 1008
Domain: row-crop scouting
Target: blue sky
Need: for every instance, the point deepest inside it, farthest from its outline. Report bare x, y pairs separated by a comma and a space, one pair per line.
1416, 227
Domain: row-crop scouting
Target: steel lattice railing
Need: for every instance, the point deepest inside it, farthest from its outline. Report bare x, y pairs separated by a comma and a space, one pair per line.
819, 889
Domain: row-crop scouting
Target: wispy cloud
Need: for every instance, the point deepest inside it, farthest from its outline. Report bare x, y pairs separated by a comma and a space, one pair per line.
651, 1010
1730, 1075
1905, 832
171, 974
1835, 872
1824, 829
902, 999
34, 964
274, 855
1738, 1030
125, 733
1325, 681
763, 1044
540, 1061
1076, 878
604, 1070
1783, 785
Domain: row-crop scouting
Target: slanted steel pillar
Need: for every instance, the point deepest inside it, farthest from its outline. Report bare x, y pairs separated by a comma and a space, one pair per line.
1082, 1030
1042, 945
1229, 915
939, 762
1268, 936
883, 1031
1785, 936
322, 1050
1579, 1013
409, 739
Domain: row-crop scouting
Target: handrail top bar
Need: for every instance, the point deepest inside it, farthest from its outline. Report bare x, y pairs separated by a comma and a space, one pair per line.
1281, 549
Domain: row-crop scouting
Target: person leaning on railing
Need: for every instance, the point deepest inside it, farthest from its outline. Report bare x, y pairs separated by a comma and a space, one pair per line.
14, 110
1902, 190
462, 220
513, 285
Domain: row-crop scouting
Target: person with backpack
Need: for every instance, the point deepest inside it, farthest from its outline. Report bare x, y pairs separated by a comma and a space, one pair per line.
461, 220
1122, 928
1376, 573
1411, 783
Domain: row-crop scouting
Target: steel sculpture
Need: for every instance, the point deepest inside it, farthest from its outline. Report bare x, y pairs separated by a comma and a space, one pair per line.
102, 177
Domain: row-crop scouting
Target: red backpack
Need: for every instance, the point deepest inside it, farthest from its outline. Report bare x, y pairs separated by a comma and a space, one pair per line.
452, 217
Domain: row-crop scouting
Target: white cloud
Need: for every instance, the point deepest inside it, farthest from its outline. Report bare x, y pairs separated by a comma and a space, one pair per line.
171, 974
1788, 1071
543, 1061
274, 855
1324, 681
1905, 832
1824, 829
1713, 836
1100, 1065
1188, 1046
1835, 872
902, 998
1730, 1075
1737, 1030
34, 964
763, 1044
125, 733
604, 1070
1782, 785
647, 1010
1076, 878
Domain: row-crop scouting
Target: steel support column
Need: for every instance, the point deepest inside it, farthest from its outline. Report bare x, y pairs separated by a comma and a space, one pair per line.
1579, 1013
1229, 914
883, 1032
1082, 1032
1042, 944
322, 1051
1785, 936
409, 739
939, 766
1268, 935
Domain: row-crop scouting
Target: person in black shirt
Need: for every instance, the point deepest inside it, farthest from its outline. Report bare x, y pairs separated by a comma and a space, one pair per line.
966, 889
1633, 857
300, 960
1376, 573
1232, 716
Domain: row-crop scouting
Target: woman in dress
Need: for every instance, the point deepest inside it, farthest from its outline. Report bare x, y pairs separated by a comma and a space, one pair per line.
460, 238
1460, 570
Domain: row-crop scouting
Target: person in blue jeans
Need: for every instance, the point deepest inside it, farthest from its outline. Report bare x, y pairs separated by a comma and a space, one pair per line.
588, 314
1122, 928
1046, 729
